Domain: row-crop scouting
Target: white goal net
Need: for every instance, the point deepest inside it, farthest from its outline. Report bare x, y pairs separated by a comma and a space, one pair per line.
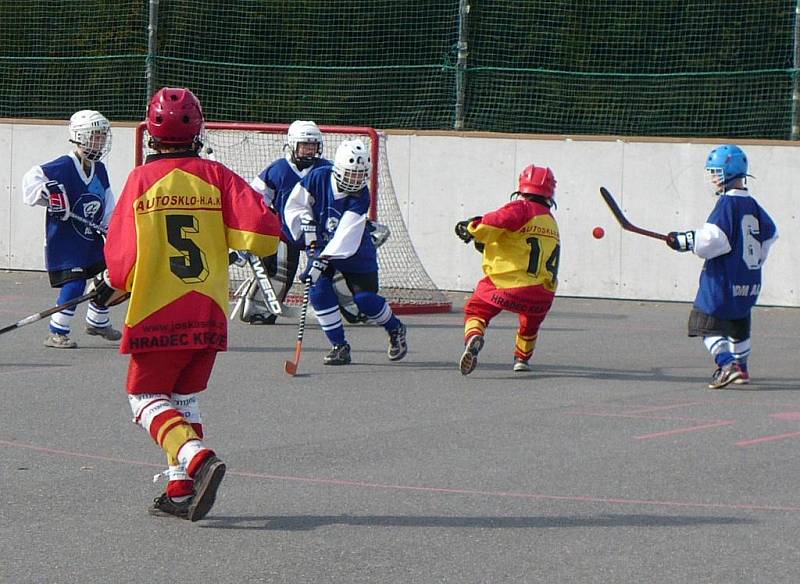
249, 148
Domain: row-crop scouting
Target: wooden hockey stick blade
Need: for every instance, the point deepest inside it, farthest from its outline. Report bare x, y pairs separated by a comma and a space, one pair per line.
623, 221
290, 367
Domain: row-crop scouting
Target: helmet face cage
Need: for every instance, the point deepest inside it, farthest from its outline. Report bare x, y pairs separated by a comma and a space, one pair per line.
90, 131
303, 132
351, 166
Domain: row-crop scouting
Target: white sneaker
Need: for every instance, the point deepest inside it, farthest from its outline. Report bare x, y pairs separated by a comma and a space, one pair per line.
59, 341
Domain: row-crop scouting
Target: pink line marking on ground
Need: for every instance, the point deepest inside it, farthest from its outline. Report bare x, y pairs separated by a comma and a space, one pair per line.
438, 490
716, 424
639, 416
646, 409
772, 438
791, 416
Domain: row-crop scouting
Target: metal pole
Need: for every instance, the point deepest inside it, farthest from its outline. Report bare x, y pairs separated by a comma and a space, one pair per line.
795, 62
461, 65
150, 61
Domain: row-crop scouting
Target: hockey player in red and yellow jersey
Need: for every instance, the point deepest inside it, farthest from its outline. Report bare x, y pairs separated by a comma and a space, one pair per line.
520, 246
167, 245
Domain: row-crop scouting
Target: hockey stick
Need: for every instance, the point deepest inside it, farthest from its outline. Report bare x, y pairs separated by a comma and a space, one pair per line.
623, 222
99, 228
48, 312
290, 367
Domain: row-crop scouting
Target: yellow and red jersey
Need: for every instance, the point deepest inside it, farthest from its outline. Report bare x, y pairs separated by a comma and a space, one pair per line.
521, 252
168, 243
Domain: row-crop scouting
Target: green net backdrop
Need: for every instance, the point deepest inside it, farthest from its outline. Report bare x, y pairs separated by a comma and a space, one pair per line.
642, 67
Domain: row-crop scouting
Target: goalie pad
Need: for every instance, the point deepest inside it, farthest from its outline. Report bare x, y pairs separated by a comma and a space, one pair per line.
251, 304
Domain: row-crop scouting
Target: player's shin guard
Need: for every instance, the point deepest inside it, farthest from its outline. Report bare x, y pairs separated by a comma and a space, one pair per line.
720, 349
473, 326
326, 308
97, 316
524, 346
377, 310
61, 322
157, 414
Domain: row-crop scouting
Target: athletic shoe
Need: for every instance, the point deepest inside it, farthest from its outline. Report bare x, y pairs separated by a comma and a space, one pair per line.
258, 318
745, 378
726, 375
109, 333
59, 341
521, 365
206, 482
469, 360
338, 355
398, 347
164, 506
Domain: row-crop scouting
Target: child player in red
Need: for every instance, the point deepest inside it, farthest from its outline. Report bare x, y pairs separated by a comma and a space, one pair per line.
520, 246
168, 245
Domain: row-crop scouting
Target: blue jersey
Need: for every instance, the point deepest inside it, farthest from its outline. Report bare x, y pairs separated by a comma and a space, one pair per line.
71, 244
277, 180
328, 210
730, 283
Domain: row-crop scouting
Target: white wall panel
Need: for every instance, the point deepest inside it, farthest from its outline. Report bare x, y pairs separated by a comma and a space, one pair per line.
441, 179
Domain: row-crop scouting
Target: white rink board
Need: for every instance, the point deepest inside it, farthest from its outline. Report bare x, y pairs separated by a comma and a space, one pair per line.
441, 179
660, 186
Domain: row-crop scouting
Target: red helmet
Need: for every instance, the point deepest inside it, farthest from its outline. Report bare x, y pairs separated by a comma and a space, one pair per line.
174, 117
537, 180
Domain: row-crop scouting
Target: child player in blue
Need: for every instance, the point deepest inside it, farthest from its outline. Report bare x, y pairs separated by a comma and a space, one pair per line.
327, 210
734, 242
304, 146
76, 191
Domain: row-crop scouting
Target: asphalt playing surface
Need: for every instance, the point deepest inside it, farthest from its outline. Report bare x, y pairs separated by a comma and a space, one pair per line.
610, 462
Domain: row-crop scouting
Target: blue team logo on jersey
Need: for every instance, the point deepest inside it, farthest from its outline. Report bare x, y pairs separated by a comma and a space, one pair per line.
331, 224
90, 207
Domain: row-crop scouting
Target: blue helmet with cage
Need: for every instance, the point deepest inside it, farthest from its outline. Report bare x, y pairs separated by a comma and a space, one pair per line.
725, 164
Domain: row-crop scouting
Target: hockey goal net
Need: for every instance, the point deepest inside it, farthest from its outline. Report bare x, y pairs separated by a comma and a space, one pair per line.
249, 148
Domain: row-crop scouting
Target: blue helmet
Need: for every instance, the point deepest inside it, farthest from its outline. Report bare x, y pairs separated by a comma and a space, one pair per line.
728, 162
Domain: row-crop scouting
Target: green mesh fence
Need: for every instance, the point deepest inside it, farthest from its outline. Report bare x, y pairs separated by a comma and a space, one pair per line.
642, 67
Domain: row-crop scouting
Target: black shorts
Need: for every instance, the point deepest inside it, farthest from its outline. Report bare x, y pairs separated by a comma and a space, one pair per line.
705, 325
60, 277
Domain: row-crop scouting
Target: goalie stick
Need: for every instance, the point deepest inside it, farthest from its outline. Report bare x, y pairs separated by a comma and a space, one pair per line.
623, 221
45, 313
262, 279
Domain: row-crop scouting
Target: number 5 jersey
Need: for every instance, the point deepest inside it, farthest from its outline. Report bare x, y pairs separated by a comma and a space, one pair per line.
168, 244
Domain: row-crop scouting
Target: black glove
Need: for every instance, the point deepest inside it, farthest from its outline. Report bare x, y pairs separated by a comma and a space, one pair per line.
461, 229
105, 295
681, 240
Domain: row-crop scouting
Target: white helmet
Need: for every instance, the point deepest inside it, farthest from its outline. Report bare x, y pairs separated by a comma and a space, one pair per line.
304, 132
351, 166
91, 132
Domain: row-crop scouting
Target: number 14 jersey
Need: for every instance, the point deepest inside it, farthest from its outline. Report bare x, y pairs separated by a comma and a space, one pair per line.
521, 248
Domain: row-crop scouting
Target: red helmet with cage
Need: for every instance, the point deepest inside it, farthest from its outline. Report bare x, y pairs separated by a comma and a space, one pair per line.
537, 180
174, 117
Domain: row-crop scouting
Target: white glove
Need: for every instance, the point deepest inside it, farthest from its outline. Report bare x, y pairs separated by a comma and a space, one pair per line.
314, 269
